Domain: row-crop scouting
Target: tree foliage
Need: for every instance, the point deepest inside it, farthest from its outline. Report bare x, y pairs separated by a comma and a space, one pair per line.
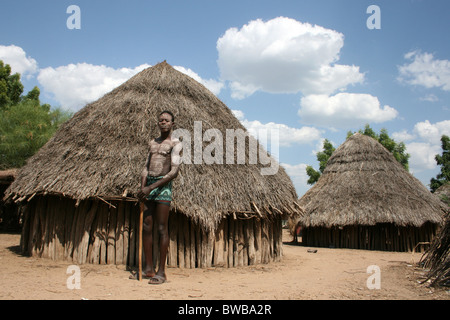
322, 157
10, 86
443, 161
25, 124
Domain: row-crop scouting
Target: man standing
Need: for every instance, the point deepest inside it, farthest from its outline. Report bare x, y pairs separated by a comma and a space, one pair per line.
161, 168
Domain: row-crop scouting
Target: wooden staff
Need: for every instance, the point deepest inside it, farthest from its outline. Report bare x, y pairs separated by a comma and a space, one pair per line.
141, 221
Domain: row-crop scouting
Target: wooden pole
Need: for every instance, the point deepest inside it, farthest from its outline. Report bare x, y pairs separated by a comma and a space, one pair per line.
141, 221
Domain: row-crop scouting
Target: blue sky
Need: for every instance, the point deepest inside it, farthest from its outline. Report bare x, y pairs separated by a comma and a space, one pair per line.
311, 68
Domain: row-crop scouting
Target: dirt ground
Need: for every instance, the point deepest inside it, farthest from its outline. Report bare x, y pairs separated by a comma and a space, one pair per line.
331, 274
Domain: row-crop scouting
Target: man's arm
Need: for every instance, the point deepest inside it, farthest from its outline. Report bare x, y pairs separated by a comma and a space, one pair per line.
144, 173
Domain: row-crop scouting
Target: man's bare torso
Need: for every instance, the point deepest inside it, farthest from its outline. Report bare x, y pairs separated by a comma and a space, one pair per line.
160, 157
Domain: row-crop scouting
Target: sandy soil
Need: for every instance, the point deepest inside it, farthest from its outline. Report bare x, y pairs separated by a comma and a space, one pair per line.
327, 274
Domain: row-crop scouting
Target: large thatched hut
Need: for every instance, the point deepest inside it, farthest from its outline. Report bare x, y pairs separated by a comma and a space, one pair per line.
365, 199
80, 188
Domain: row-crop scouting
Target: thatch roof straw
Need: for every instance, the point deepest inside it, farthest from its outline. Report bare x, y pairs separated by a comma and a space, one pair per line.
437, 258
443, 192
363, 184
100, 152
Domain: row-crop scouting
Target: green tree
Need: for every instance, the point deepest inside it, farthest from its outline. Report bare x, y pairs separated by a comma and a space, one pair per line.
25, 124
322, 157
443, 161
10, 86
24, 129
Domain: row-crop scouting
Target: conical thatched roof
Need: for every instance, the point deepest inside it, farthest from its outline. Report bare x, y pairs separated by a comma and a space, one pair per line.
101, 151
443, 192
363, 184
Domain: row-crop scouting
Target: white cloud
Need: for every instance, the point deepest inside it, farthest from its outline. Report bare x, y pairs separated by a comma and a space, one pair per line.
425, 143
75, 85
432, 133
402, 136
298, 175
430, 98
287, 135
344, 110
422, 155
18, 60
212, 85
283, 55
238, 114
425, 70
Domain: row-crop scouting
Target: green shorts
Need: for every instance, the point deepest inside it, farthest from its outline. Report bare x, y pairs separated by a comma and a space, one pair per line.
162, 194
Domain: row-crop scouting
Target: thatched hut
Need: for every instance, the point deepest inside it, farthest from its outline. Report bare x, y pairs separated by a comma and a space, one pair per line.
80, 188
365, 199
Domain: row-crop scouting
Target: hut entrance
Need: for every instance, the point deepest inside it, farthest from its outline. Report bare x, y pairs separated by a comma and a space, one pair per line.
382, 236
9, 212
107, 233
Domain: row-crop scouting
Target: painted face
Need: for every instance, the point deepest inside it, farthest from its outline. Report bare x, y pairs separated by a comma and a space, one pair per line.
165, 122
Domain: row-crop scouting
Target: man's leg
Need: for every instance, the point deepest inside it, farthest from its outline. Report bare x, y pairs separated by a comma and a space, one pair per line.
147, 238
162, 222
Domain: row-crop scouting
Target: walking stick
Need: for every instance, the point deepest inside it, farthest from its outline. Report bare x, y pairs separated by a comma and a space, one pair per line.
141, 221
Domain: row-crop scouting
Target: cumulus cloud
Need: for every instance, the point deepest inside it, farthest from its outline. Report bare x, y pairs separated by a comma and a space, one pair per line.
425, 70
75, 85
283, 55
432, 133
425, 143
298, 175
402, 136
18, 60
212, 85
287, 135
422, 155
344, 110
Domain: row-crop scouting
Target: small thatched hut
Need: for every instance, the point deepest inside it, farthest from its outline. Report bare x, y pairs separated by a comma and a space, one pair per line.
80, 188
365, 199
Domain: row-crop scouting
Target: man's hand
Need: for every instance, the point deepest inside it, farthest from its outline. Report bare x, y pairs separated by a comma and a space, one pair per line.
145, 191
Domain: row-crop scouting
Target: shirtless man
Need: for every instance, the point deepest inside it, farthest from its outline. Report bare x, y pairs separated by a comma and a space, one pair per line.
161, 168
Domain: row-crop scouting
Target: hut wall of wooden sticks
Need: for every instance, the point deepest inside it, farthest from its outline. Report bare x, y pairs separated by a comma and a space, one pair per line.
106, 232
382, 236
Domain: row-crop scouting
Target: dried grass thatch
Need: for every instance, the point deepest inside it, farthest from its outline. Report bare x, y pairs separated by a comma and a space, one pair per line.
437, 258
99, 153
364, 185
443, 192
